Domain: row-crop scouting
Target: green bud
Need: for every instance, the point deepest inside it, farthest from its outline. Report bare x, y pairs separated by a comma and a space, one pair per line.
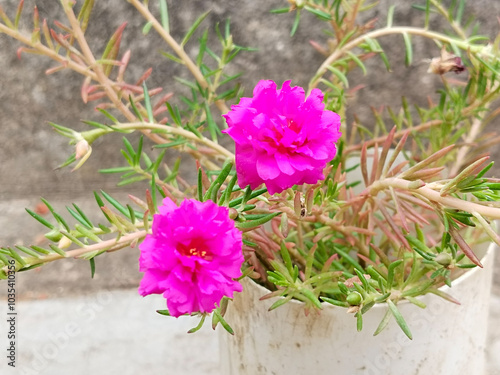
300, 4
444, 259
354, 299
54, 235
233, 214
449, 116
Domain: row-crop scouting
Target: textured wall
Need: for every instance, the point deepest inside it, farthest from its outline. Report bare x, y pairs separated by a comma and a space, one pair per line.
29, 151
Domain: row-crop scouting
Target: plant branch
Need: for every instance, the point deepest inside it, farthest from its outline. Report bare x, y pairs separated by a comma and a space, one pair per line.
179, 50
95, 133
434, 196
398, 134
106, 83
46, 51
454, 25
383, 32
463, 151
89, 56
108, 245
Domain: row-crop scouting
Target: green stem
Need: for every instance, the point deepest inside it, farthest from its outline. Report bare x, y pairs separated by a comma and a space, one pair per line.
455, 26
109, 245
388, 31
179, 50
92, 135
434, 196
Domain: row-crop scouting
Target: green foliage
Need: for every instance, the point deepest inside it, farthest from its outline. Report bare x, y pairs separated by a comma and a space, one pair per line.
82, 234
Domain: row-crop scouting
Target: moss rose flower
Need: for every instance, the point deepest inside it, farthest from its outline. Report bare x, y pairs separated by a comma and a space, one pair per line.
192, 256
282, 139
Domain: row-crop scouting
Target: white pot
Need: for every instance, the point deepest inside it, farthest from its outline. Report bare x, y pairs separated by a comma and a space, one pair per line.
447, 338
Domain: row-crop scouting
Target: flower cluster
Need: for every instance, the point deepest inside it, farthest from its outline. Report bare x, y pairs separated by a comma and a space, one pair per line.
195, 251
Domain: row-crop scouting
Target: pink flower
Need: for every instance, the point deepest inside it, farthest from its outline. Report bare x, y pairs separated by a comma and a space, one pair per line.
192, 256
282, 139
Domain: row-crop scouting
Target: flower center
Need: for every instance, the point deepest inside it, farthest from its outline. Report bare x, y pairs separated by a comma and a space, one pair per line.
293, 126
194, 250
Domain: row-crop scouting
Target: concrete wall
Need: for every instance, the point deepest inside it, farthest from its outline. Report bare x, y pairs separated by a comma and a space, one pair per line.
29, 151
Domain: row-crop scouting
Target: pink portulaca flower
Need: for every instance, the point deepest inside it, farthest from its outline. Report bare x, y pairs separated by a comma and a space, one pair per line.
192, 256
282, 139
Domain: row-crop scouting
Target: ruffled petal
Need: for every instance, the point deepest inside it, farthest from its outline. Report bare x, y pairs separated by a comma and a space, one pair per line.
195, 266
267, 167
282, 138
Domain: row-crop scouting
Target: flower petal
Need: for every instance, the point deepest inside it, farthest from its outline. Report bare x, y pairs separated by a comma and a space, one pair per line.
191, 257
282, 138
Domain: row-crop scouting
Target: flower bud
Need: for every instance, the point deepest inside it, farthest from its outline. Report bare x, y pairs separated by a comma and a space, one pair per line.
444, 259
447, 62
449, 116
417, 184
64, 242
54, 235
233, 214
82, 147
354, 298
297, 4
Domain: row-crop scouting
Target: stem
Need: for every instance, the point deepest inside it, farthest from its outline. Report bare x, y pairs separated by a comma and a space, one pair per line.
454, 25
44, 50
434, 196
109, 245
398, 134
179, 50
107, 85
93, 134
476, 128
382, 32
300, 236
462, 153
89, 56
